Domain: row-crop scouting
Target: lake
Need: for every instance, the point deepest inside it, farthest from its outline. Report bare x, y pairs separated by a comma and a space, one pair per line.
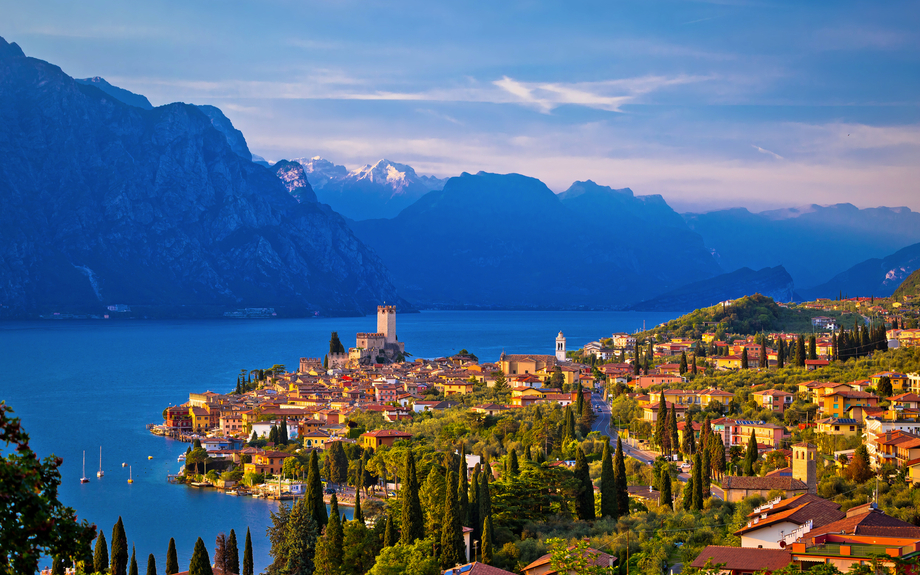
79, 385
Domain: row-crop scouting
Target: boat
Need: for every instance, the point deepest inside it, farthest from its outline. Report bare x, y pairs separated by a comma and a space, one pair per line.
124, 464
84, 479
130, 480
149, 457
100, 473
181, 458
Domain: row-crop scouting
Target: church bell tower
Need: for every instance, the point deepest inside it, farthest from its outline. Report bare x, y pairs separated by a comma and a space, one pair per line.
560, 347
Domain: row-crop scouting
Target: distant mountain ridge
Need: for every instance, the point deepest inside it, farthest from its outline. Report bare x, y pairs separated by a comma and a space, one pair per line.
775, 283
106, 202
874, 277
506, 240
381, 190
121, 94
813, 243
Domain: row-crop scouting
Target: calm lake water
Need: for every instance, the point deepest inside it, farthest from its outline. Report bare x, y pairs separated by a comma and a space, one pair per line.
79, 385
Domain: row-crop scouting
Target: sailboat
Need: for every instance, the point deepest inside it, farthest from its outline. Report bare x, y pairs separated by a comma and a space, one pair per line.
100, 473
129, 475
84, 479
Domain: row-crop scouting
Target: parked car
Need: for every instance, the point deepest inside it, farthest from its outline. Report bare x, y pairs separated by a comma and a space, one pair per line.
330, 491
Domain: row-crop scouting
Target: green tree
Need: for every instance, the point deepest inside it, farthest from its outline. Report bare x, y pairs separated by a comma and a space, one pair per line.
389, 532
57, 566
413, 522
763, 354
812, 348
335, 345
474, 517
662, 438
233, 553
577, 558
672, 429
487, 555
744, 359
293, 540
132, 568
329, 549
463, 487
693, 367
101, 555
706, 473
750, 456
453, 550
568, 430
247, 555
858, 469
800, 351
314, 498
686, 499
172, 559
335, 464
682, 368
584, 499
201, 561
119, 565
619, 475
221, 559
418, 558
697, 482
780, 354
608, 485
485, 495
513, 466
666, 498
356, 514
32, 520
717, 456
152, 565
884, 387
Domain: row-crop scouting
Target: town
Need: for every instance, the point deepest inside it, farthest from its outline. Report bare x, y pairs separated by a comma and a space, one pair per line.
784, 449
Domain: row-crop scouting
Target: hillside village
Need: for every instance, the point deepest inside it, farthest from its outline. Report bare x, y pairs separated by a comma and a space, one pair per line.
772, 440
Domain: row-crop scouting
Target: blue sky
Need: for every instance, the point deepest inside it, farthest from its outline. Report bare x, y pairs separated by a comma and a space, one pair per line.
711, 104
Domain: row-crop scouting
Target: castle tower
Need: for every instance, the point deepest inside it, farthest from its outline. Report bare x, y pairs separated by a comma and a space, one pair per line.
386, 322
805, 466
560, 347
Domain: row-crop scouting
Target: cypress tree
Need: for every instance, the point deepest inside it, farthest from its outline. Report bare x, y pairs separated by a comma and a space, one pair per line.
358, 516
682, 368
812, 348
661, 423
697, 483
57, 566
101, 554
247, 555
463, 489
686, 500
800, 352
487, 557
201, 561
132, 569
584, 501
690, 437
119, 563
485, 497
744, 359
672, 428
453, 550
389, 532
717, 456
474, 517
568, 431
780, 355
763, 354
314, 498
665, 497
283, 432
693, 368
608, 485
513, 466
331, 548
172, 560
750, 455
619, 475
233, 553
152, 565
706, 473
413, 522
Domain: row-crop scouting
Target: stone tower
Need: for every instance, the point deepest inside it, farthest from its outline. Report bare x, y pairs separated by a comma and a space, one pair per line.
560, 347
386, 322
805, 466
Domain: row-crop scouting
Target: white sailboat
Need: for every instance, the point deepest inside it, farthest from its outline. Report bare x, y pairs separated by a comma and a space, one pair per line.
100, 473
84, 479
130, 480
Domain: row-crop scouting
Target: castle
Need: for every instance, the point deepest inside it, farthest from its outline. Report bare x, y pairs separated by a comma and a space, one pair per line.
379, 347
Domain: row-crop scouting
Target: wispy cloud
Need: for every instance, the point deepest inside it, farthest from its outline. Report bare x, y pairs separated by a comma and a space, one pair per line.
767, 152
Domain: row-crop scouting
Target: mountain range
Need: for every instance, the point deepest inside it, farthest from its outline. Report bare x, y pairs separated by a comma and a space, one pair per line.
771, 282
874, 277
381, 190
506, 240
107, 202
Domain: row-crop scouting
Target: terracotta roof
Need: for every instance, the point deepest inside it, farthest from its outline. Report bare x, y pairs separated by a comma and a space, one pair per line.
601, 559
387, 433
743, 558
868, 521
476, 568
768, 483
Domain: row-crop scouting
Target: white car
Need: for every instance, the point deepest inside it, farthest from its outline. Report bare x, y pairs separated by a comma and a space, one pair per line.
685, 467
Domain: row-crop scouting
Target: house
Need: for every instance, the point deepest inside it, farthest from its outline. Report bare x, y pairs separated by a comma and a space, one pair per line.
650, 412
737, 488
490, 408
837, 403
742, 561
644, 493
266, 462
838, 426
905, 401
898, 448
726, 362
315, 439
542, 565
420, 406
647, 381
813, 364
459, 386
773, 399
899, 381
769, 434
526, 363
781, 521
381, 437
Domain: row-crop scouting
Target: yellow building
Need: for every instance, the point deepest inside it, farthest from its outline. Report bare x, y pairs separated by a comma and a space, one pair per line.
387, 437
266, 462
836, 426
461, 387
527, 363
837, 403
728, 362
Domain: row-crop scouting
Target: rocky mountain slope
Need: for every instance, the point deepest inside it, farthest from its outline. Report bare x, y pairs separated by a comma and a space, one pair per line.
873, 277
121, 94
813, 243
509, 241
381, 190
910, 287
106, 203
775, 283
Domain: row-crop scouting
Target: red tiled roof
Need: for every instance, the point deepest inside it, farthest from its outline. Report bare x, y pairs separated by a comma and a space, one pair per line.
476, 568
767, 483
743, 559
869, 522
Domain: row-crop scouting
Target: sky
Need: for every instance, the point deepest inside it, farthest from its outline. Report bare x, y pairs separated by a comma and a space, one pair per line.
711, 104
